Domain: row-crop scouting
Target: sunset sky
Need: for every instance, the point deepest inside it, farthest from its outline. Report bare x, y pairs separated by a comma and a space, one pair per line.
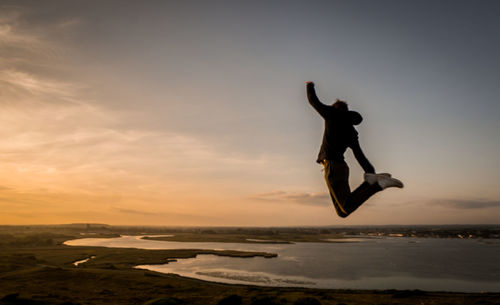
195, 113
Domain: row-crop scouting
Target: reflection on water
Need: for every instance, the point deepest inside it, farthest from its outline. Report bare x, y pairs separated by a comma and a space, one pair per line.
83, 260
382, 263
347, 240
267, 241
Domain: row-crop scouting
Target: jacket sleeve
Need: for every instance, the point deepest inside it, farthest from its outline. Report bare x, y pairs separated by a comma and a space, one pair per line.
361, 158
321, 108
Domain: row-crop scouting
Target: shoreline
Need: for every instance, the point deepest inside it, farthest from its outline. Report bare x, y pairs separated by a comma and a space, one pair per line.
227, 271
38, 268
267, 273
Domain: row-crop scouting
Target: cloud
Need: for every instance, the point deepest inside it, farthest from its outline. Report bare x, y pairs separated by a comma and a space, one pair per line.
136, 212
466, 204
66, 147
11, 32
297, 197
32, 89
52, 125
167, 217
26, 34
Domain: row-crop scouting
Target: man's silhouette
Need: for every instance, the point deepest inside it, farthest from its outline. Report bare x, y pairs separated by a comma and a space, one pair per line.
338, 136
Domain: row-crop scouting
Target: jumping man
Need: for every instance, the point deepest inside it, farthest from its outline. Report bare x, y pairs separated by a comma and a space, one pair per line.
340, 134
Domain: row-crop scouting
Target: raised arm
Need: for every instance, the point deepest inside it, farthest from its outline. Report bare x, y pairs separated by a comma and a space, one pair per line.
321, 108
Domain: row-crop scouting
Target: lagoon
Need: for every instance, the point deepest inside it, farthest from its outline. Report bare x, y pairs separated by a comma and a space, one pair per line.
433, 264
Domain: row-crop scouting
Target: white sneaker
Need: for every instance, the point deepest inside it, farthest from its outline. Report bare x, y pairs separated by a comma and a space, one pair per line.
373, 178
370, 178
385, 182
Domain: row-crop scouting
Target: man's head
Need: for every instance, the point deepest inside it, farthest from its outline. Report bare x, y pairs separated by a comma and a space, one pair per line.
340, 105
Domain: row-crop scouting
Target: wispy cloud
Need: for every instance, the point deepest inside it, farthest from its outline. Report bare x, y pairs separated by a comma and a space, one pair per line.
11, 32
463, 204
30, 88
135, 212
63, 152
24, 38
52, 126
296, 197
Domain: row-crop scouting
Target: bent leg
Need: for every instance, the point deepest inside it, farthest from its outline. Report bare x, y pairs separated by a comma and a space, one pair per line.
360, 195
337, 180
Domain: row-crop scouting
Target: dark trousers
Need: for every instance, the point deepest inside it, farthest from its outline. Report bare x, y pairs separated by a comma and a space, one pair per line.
337, 180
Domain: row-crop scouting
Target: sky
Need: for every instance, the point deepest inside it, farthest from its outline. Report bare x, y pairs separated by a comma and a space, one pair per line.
195, 113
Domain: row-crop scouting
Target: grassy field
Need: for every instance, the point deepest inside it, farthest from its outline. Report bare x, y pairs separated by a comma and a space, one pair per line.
36, 268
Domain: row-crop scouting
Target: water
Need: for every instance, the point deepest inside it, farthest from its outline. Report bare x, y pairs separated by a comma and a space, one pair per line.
83, 261
386, 263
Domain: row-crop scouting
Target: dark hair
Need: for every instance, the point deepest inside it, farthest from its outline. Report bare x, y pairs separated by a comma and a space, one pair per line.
340, 105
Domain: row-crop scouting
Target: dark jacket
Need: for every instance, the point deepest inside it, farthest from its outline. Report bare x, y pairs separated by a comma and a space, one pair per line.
339, 132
